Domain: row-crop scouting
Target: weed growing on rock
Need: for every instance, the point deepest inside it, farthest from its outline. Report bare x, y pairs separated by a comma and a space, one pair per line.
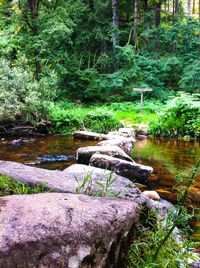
9, 186
160, 244
88, 186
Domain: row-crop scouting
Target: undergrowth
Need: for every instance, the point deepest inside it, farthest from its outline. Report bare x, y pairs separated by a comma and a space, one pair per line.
68, 117
159, 243
180, 118
9, 186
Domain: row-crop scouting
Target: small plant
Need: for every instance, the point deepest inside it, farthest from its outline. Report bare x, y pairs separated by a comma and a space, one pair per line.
106, 187
157, 245
87, 186
9, 186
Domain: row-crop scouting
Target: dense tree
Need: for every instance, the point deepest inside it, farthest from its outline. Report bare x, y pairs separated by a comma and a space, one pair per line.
70, 44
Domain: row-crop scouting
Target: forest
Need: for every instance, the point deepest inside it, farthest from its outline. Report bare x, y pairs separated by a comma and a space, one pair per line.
99, 133
56, 55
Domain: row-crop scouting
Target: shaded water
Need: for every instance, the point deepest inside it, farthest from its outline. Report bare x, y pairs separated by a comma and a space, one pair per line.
167, 157
51, 152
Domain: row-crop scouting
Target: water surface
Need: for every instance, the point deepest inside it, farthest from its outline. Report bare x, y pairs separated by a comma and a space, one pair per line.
167, 157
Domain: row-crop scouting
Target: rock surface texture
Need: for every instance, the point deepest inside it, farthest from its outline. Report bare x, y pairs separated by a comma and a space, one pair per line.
124, 132
125, 144
130, 170
66, 181
88, 135
64, 230
85, 153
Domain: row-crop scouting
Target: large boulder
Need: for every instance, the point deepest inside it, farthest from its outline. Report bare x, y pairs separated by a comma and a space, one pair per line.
69, 180
88, 135
125, 144
130, 170
85, 153
65, 230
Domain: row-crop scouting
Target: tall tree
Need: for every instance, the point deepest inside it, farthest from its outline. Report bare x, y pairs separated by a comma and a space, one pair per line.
189, 8
193, 7
135, 26
157, 12
115, 22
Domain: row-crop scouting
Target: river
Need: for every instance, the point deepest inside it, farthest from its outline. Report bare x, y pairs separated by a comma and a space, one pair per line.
167, 157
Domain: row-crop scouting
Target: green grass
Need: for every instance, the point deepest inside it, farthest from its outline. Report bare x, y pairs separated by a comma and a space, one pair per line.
9, 186
68, 117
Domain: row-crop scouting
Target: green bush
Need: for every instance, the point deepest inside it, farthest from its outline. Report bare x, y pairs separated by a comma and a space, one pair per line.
160, 243
67, 118
21, 96
181, 117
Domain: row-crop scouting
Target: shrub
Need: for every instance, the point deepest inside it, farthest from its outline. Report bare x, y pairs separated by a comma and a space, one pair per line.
181, 117
21, 96
159, 243
67, 118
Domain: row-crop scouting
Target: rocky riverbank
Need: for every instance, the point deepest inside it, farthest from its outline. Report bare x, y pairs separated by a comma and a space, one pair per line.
66, 228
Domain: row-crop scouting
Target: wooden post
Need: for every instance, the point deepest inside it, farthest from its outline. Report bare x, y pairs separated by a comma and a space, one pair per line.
142, 90
141, 102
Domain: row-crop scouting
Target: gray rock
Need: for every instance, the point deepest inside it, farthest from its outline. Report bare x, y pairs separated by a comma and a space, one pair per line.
88, 135
130, 170
65, 230
123, 132
141, 130
85, 153
125, 144
68, 180
127, 132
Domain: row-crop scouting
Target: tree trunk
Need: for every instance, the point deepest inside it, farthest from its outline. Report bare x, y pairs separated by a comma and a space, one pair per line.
193, 7
176, 7
34, 6
34, 9
173, 7
146, 6
134, 32
157, 13
128, 10
165, 6
189, 8
115, 22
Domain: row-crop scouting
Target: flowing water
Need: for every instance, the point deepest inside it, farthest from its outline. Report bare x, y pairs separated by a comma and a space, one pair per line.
167, 157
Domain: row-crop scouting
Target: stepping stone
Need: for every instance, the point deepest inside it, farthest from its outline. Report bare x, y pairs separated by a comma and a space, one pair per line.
85, 153
130, 170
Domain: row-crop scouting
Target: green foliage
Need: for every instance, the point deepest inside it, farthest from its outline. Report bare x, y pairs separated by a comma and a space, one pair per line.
190, 80
65, 50
170, 256
9, 186
181, 117
22, 97
157, 244
101, 188
68, 117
